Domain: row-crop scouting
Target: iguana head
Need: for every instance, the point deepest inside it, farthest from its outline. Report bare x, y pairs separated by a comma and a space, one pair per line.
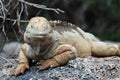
38, 29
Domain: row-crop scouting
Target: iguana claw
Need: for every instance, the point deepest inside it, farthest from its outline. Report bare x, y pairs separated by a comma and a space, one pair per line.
44, 64
20, 69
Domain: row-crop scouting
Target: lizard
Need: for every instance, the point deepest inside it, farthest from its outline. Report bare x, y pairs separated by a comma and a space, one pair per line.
54, 43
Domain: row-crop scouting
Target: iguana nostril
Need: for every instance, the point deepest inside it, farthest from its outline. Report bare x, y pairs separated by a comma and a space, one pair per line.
32, 26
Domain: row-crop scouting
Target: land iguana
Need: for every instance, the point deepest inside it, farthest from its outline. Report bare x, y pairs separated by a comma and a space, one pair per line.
54, 43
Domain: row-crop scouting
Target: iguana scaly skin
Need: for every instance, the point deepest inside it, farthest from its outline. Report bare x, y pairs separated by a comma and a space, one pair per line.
54, 43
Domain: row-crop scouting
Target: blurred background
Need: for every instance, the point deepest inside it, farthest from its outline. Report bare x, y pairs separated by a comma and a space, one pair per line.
99, 17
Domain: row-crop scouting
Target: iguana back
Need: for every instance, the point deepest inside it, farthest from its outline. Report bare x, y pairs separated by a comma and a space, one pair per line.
62, 27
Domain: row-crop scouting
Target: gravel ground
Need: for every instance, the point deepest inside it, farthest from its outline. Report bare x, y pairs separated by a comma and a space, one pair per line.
90, 68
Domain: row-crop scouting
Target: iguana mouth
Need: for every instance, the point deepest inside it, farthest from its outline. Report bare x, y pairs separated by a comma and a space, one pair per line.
39, 35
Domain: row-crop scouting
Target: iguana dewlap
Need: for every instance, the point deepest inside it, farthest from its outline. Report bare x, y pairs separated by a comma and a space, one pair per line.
54, 43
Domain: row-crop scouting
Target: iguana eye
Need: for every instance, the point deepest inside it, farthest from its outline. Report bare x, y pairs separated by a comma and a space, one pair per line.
46, 28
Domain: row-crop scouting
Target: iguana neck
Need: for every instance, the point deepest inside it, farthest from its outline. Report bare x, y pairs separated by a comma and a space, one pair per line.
50, 43
43, 48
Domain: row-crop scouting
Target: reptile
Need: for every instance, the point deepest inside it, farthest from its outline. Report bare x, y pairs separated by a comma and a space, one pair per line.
54, 43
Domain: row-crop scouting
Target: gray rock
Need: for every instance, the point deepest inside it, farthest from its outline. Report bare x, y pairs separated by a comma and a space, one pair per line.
90, 68
11, 50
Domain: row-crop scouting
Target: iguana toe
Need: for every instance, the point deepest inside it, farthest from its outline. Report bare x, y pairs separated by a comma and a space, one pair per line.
20, 69
50, 63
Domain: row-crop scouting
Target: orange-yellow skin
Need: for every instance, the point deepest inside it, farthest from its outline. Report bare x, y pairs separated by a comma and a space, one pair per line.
52, 44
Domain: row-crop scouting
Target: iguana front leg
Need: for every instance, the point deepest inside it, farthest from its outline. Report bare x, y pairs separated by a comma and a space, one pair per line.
64, 53
23, 61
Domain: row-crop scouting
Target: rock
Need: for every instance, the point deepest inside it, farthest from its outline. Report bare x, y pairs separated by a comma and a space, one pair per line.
11, 50
90, 68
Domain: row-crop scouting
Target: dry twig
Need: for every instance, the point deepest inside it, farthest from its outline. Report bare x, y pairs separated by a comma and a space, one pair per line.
22, 21
13, 11
42, 6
